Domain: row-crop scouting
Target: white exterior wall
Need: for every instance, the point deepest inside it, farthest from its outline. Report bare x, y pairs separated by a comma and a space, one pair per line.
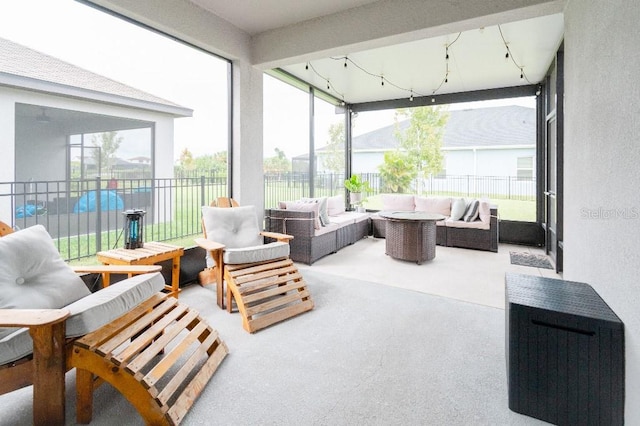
459, 162
601, 160
501, 162
462, 162
41, 154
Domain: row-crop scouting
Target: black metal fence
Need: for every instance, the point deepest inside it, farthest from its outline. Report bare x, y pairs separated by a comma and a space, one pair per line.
292, 186
85, 216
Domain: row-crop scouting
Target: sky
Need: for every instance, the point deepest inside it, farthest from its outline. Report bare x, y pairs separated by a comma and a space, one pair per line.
158, 65
111, 47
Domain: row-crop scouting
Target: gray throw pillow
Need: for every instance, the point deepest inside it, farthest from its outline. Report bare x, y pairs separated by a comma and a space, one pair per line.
471, 213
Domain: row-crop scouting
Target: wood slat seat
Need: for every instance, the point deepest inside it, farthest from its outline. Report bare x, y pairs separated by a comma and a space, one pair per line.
160, 356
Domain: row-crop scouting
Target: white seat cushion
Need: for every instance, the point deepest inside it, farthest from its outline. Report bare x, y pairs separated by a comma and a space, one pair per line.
99, 308
476, 224
259, 253
89, 313
234, 227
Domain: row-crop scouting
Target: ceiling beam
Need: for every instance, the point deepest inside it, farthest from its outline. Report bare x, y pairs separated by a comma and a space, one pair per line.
449, 98
384, 23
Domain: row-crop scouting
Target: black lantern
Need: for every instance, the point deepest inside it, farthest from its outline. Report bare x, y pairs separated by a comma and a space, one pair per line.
133, 228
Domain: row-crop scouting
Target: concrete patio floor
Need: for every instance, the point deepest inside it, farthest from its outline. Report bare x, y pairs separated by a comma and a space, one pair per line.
468, 275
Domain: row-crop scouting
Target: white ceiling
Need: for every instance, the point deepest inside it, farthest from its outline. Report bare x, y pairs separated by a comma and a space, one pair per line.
256, 16
476, 60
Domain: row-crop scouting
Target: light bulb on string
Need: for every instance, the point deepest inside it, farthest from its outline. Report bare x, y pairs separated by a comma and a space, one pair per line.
382, 80
411, 97
506, 55
328, 85
306, 66
345, 61
521, 73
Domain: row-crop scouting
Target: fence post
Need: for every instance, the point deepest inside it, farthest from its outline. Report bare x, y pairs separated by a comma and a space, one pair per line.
202, 194
98, 214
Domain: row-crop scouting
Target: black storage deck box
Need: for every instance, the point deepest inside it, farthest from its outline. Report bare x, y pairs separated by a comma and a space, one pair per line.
565, 352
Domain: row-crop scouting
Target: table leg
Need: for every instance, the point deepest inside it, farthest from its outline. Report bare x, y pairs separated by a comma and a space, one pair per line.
175, 277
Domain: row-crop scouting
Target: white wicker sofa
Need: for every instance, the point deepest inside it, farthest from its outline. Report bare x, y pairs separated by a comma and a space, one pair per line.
480, 232
320, 226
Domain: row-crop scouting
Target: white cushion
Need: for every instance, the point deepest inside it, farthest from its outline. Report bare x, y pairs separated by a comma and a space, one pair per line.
89, 313
476, 224
438, 205
484, 210
15, 345
312, 207
259, 253
335, 205
234, 227
326, 229
103, 306
343, 219
400, 202
458, 206
33, 275
323, 213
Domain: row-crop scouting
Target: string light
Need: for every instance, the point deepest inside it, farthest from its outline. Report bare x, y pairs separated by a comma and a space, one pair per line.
509, 55
329, 85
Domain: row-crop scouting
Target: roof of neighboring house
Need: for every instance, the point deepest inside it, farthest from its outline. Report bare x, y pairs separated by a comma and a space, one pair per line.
23, 67
482, 127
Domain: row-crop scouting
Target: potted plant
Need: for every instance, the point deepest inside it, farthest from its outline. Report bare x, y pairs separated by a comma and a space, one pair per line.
356, 186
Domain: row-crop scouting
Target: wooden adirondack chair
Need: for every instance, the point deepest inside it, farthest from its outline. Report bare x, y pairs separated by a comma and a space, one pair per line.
265, 284
115, 351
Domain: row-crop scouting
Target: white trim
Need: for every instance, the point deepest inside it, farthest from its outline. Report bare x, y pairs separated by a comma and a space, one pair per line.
26, 83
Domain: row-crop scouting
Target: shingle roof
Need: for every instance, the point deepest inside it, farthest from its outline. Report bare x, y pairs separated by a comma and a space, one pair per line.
482, 127
22, 61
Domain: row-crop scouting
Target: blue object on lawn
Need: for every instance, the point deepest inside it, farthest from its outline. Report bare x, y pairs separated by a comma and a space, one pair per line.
25, 211
109, 200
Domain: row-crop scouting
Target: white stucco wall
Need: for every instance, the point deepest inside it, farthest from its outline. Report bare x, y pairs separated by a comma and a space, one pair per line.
602, 125
40, 153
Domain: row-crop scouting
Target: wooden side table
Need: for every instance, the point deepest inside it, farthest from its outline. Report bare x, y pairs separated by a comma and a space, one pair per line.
150, 254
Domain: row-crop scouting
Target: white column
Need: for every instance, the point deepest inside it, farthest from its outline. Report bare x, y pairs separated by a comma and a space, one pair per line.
248, 176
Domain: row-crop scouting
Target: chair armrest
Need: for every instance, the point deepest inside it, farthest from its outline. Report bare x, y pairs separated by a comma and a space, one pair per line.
117, 269
209, 245
32, 317
277, 236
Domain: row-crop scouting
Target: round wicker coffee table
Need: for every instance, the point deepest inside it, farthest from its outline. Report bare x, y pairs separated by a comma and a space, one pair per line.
411, 235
